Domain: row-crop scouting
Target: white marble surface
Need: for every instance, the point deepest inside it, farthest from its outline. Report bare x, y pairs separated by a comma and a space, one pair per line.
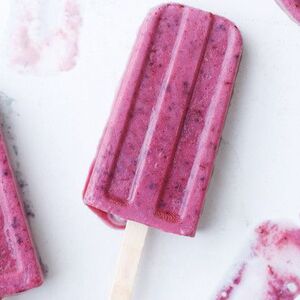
56, 121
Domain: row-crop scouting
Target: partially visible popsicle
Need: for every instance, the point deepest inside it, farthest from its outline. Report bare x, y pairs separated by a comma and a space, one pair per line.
271, 269
19, 266
291, 7
156, 156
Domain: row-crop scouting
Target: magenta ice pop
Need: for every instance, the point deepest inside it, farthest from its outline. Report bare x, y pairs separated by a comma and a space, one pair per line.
19, 266
156, 155
271, 268
291, 7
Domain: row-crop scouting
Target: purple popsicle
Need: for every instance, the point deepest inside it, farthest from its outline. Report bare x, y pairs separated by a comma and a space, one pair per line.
156, 156
19, 266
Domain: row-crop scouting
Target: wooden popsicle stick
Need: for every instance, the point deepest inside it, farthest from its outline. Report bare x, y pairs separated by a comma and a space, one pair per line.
131, 251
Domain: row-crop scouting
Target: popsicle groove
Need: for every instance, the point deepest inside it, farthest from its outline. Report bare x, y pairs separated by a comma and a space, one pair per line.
134, 79
207, 144
124, 171
108, 187
173, 198
160, 210
149, 176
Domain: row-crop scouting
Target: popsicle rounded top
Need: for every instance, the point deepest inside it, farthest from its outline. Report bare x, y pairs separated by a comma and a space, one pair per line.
156, 155
291, 7
19, 266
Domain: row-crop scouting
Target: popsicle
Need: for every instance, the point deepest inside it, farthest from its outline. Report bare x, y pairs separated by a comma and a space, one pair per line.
19, 266
271, 268
291, 7
156, 155
157, 152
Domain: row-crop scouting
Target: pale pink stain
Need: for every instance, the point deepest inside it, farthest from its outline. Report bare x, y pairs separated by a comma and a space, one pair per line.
61, 43
275, 253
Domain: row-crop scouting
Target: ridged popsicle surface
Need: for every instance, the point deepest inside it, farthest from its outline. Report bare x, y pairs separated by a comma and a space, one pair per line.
156, 156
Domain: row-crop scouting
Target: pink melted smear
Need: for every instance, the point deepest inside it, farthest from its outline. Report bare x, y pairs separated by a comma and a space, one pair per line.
56, 51
271, 270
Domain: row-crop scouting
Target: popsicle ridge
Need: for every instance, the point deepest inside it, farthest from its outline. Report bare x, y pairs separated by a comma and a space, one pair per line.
144, 100
170, 108
216, 111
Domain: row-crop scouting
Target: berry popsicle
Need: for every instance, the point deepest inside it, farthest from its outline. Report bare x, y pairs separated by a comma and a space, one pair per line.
156, 156
19, 266
291, 7
271, 269
157, 152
